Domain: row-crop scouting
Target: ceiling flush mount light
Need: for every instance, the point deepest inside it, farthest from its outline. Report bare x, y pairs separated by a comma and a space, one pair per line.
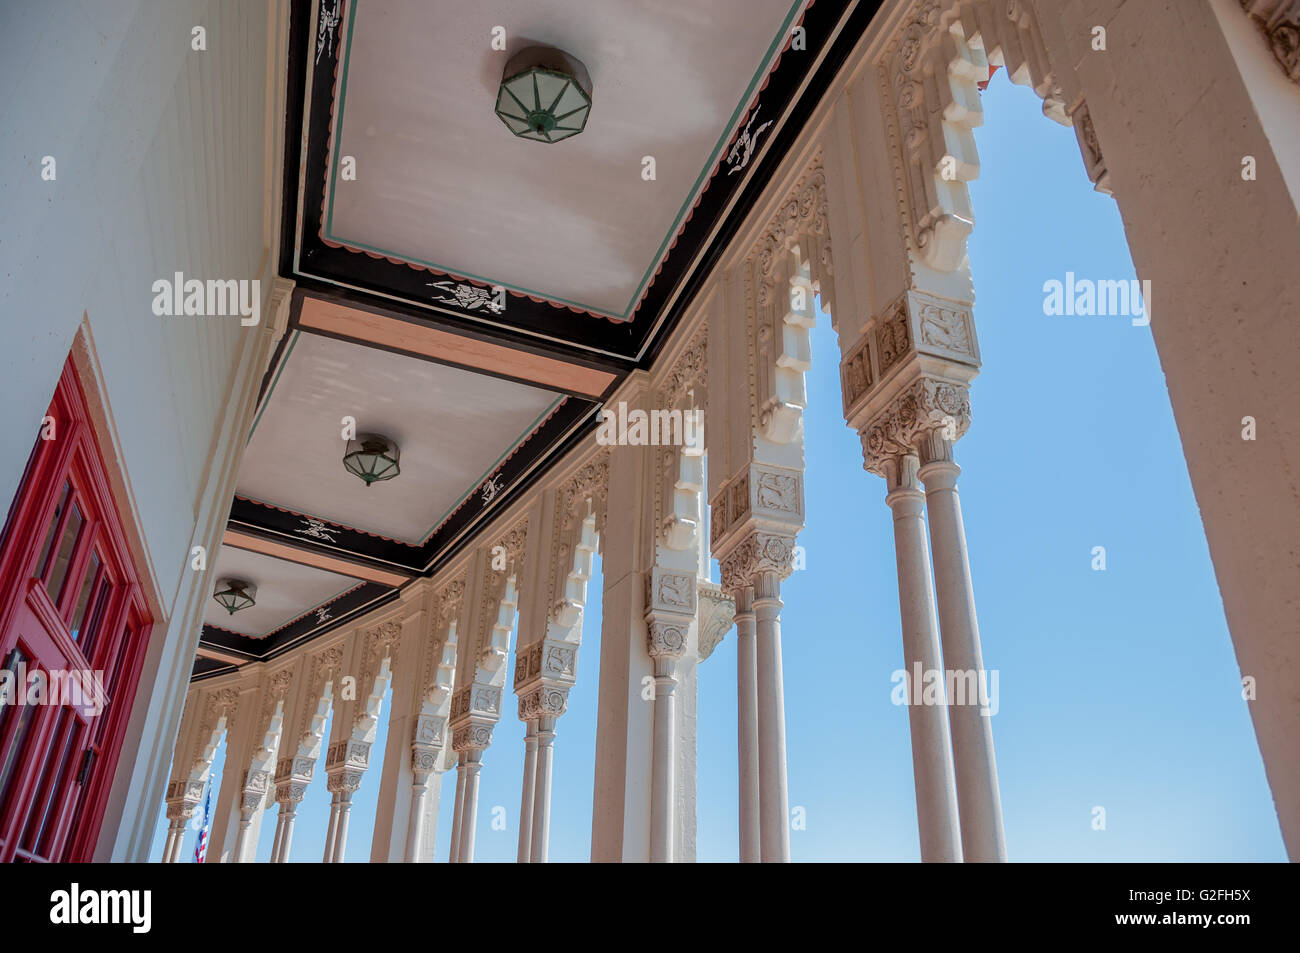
545, 95
372, 457
235, 594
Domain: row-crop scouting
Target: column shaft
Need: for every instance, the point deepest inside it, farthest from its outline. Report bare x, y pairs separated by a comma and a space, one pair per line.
527, 792
541, 820
747, 724
469, 812
332, 832
773, 798
279, 834
341, 830
458, 814
245, 822
663, 785
415, 823
936, 792
978, 800
286, 838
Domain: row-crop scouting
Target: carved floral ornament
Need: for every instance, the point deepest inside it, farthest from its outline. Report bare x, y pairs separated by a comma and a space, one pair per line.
1280, 22
757, 553
927, 407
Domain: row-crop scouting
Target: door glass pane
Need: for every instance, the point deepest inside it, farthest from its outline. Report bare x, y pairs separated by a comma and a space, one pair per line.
83, 600
11, 757
43, 562
95, 621
51, 787
67, 545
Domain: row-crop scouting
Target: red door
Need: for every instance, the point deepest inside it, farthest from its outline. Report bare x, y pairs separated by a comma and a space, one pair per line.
73, 628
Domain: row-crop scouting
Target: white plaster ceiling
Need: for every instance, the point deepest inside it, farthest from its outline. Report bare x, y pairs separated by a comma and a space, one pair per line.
441, 181
285, 591
452, 427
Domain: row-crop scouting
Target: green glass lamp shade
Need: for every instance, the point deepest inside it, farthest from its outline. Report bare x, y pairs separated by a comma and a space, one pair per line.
235, 594
372, 457
545, 95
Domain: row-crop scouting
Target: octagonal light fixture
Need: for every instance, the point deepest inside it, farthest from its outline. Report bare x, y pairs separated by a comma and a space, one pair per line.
545, 95
372, 457
235, 594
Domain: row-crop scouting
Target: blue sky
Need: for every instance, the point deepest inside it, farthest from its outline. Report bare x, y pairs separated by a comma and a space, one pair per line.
1118, 689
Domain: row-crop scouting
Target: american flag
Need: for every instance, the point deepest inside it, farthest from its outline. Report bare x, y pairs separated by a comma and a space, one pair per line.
201, 848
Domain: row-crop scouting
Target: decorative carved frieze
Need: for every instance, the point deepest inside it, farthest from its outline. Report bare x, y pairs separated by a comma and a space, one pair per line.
918, 333
670, 590
350, 752
759, 497
1280, 21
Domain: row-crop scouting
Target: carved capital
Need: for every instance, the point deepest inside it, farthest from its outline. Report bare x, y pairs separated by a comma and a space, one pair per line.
927, 415
471, 737
667, 639
546, 700
344, 781
759, 552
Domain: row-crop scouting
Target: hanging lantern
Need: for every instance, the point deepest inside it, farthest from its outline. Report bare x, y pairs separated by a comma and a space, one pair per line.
545, 95
235, 594
372, 458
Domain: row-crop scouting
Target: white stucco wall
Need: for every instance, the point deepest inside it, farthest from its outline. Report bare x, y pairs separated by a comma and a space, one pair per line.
166, 161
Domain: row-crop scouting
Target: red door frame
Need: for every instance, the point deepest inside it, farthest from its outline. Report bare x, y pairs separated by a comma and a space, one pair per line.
123, 628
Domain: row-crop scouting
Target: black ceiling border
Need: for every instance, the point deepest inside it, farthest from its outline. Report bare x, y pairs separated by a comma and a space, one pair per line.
363, 598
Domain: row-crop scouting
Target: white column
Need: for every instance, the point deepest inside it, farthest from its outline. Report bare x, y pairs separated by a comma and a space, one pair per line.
663, 763
978, 800
415, 823
458, 815
747, 724
469, 811
175, 833
241, 839
288, 811
541, 820
279, 834
936, 792
527, 792
332, 832
341, 829
773, 797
